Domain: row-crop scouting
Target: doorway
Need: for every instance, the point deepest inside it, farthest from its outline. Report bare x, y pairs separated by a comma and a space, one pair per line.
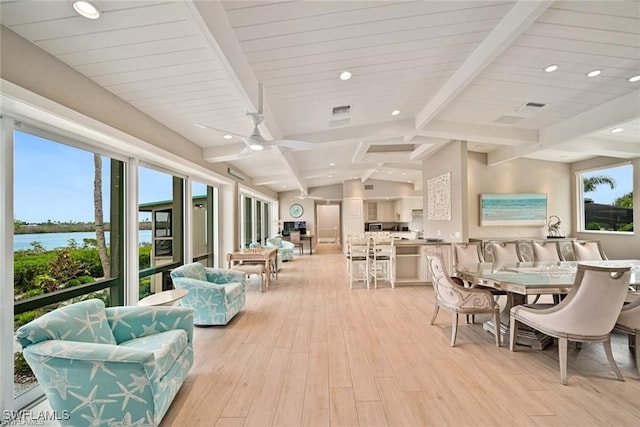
328, 223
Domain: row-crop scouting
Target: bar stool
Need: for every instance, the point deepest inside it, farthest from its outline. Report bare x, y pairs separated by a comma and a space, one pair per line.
381, 258
358, 260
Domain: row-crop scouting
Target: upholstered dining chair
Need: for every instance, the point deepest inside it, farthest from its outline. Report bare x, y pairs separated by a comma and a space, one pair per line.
588, 250
629, 323
452, 296
587, 314
505, 252
546, 251
294, 237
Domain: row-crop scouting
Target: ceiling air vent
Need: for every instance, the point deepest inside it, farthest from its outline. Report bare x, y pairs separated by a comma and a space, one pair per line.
368, 186
529, 107
341, 111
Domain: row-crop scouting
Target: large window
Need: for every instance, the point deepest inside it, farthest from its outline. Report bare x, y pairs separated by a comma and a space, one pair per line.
161, 207
607, 199
203, 223
255, 220
68, 224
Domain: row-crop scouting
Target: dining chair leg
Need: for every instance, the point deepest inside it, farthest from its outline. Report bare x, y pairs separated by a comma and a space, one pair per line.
562, 357
513, 332
454, 327
636, 352
496, 321
435, 314
612, 361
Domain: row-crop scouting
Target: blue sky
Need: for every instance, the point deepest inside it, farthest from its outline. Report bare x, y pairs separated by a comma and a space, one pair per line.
623, 176
55, 182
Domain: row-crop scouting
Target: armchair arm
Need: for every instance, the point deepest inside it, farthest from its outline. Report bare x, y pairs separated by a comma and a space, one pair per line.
223, 276
88, 352
138, 321
287, 245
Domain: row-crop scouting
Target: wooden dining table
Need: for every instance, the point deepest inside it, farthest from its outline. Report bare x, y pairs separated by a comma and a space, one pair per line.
521, 279
266, 255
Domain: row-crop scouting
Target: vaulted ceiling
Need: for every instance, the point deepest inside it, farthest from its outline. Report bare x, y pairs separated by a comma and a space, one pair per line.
454, 70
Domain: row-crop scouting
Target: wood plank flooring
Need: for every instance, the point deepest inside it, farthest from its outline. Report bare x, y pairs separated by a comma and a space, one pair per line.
311, 352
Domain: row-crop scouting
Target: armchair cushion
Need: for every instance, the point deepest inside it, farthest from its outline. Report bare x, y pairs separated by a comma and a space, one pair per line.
217, 298
131, 380
85, 321
285, 249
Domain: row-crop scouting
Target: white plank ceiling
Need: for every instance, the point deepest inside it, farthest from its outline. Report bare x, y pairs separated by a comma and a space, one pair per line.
455, 70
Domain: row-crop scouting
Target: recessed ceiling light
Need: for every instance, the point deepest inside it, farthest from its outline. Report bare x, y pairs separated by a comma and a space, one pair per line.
86, 9
227, 137
329, 176
634, 78
395, 112
409, 180
332, 164
551, 68
345, 75
617, 130
594, 73
479, 146
389, 173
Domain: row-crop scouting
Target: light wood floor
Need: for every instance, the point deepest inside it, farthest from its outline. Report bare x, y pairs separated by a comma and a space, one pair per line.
312, 352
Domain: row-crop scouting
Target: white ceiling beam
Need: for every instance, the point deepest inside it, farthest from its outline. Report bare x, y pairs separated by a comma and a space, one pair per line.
292, 168
599, 147
367, 174
604, 116
360, 152
371, 132
222, 153
425, 150
514, 23
270, 180
213, 21
478, 133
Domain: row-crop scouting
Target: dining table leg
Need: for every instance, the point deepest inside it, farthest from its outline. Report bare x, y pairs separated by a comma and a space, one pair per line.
526, 336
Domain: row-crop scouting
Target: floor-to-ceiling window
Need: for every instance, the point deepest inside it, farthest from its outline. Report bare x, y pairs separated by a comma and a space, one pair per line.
67, 232
161, 198
255, 220
203, 223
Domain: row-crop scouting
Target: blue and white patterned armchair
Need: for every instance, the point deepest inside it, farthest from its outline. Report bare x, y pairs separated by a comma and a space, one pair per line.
215, 294
285, 249
109, 366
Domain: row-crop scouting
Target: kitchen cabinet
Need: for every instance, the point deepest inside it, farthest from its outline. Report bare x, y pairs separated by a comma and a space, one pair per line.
382, 211
403, 208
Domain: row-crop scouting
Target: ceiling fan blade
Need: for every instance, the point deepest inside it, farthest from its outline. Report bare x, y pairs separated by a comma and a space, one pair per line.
246, 152
292, 143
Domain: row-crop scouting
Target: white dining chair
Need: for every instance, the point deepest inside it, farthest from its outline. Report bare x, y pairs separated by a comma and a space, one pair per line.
629, 322
460, 300
587, 314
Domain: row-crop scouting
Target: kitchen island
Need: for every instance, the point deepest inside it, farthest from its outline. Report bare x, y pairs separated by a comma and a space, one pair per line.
411, 262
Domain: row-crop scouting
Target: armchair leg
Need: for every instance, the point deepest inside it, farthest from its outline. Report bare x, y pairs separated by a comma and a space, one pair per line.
454, 327
562, 356
612, 361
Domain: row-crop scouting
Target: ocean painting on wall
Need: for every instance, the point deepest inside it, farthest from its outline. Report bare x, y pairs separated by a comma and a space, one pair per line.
523, 209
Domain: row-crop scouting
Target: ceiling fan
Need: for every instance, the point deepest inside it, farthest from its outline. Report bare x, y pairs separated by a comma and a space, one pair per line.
255, 141
305, 196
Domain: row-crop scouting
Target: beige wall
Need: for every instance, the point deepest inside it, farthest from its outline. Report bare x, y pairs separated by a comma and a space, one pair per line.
451, 158
519, 176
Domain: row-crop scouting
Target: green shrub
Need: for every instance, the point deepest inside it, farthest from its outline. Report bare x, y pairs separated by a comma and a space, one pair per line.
627, 227
21, 369
32, 293
24, 318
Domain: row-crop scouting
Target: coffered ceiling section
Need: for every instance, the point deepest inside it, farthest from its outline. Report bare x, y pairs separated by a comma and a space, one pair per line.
448, 70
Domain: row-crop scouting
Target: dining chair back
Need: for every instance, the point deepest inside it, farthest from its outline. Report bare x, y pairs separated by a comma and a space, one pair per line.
459, 299
588, 250
546, 251
294, 237
505, 252
467, 253
587, 314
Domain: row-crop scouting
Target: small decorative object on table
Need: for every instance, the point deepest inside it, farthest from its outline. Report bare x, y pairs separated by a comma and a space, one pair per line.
553, 225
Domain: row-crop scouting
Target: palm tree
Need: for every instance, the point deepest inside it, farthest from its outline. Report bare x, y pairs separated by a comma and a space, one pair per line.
589, 184
99, 216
